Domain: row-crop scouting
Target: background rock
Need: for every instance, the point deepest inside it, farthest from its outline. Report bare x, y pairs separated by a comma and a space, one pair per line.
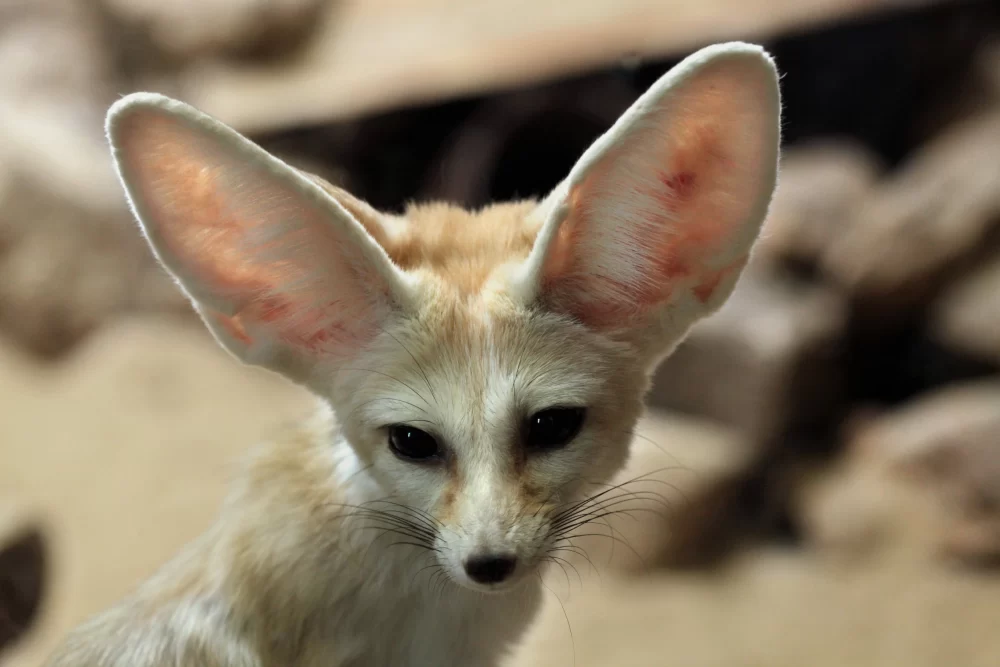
52, 53
23, 573
966, 316
820, 190
946, 444
767, 363
925, 219
189, 29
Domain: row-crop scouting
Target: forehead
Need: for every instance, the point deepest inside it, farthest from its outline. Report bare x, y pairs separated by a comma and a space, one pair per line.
461, 248
469, 361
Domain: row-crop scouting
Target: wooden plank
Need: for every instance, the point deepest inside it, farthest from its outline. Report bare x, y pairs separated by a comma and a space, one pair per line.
373, 55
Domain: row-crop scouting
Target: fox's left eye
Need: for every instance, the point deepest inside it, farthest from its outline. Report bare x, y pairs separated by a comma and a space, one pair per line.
553, 428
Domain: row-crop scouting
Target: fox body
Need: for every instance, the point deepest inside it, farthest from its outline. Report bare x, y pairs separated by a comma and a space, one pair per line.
478, 374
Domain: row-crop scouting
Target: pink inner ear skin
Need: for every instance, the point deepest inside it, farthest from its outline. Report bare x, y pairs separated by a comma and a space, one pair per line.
188, 208
664, 211
310, 333
208, 214
205, 228
679, 189
690, 221
699, 226
316, 329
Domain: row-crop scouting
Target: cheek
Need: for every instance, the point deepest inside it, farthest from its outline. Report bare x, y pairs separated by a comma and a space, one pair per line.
556, 477
610, 454
594, 460
408, 483
613, 425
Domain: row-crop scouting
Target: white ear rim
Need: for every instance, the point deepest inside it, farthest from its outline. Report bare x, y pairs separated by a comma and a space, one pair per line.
401, 285
526, 282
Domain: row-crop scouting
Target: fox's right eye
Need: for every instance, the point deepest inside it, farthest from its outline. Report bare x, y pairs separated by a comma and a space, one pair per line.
412, 444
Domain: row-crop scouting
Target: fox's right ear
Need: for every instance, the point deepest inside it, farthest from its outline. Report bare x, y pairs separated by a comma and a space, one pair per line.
282, 273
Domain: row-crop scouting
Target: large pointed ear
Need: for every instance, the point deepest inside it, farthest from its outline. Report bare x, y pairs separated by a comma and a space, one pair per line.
655, 222
282, 273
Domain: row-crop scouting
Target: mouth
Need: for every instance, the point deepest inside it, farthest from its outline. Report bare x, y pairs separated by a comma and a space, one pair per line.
490, 589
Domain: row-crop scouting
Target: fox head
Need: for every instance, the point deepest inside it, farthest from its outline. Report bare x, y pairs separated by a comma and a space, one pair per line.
487, 368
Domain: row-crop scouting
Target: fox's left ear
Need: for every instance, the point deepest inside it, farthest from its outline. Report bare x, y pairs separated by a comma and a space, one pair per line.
654, 224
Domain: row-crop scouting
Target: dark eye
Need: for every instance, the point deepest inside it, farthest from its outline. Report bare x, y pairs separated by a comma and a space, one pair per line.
554, 428
411, 443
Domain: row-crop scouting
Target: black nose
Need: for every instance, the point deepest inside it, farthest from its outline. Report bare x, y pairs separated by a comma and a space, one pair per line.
490, 569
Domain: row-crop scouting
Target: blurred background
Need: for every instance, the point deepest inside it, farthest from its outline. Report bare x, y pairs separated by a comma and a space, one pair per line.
832, 433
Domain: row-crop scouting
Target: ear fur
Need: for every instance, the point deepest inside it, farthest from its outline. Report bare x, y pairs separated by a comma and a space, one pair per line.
282, 273
654, 224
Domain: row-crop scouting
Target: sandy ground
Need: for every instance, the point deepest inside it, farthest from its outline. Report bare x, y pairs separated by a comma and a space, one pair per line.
124, 450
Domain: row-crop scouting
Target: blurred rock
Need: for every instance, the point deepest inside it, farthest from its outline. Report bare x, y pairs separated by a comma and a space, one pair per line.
967, 314
820, 189
945, 447
924, 437
23, 570
51, 53
859, 508
976, 93
70, 254
192, 28
766, 363
923, 220
742, 504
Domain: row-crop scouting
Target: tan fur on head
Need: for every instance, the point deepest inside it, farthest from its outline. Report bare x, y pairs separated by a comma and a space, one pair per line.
480, 372
463, 249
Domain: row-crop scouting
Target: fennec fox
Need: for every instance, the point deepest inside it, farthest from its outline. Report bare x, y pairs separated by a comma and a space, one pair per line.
479, 373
